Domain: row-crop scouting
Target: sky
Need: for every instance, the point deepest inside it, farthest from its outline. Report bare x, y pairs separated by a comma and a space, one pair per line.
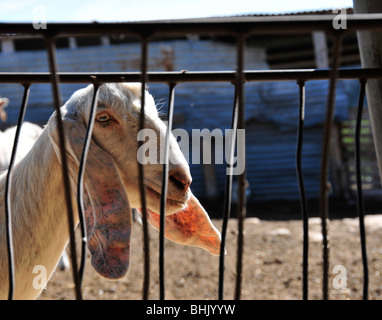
136, 10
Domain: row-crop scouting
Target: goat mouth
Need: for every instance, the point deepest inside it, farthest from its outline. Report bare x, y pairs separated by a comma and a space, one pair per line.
152, 192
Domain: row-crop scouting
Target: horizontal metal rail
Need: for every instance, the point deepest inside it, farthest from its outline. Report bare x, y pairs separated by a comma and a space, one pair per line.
241, 28
191, 76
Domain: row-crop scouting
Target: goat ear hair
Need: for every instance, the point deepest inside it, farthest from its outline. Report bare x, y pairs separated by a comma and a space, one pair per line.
107, 209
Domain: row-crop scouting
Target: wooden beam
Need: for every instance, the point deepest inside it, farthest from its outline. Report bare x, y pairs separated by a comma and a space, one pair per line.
370, 43
7, 46
321, 51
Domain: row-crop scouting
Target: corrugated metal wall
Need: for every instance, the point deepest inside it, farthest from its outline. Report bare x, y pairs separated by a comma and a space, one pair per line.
271, 107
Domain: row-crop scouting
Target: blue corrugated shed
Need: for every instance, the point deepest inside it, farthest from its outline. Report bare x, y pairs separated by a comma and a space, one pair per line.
271, 107
271, 113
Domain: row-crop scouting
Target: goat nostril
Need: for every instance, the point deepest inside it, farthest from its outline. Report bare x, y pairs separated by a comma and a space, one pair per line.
180, 178
178, 184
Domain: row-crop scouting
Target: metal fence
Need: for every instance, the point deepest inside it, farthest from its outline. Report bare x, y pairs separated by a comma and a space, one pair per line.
241, 28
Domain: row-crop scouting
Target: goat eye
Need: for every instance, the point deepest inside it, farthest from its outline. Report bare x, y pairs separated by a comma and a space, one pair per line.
103, 117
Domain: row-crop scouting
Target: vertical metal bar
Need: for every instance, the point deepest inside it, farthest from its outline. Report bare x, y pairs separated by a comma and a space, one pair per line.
80, 187
303, 201
146, 240
8, 184
241, 209
360, 203
324, 184
165, 174
227, 195
51, 48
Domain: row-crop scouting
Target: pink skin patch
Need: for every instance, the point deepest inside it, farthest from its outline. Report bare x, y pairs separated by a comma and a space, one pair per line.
190, 226
107, 210
108, 227
108, 214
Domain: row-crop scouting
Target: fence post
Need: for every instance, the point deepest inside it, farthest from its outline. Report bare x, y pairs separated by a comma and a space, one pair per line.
370, 45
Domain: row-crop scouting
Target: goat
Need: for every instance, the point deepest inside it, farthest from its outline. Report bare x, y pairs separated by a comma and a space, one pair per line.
111, 189
28, 135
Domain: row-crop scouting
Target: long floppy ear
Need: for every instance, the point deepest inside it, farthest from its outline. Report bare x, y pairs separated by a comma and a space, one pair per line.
190, 226
107, 210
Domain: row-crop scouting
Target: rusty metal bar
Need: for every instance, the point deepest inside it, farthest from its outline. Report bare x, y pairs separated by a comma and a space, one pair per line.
146, 240
303, 201
170, 115
324, 184
360, 204
241, 27
241, 209
80, 187
228, 194
192, 76
65, 171
8, 184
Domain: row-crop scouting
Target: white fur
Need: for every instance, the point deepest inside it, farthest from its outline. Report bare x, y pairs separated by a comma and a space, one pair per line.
39, 214
28, 135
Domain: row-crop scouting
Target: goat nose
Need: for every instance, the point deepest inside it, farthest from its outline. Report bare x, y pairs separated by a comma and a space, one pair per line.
180, 175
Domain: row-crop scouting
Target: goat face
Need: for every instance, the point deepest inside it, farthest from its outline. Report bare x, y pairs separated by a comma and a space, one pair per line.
111, 184
116, 130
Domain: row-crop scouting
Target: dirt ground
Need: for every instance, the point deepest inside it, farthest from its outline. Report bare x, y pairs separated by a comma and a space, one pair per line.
272, 266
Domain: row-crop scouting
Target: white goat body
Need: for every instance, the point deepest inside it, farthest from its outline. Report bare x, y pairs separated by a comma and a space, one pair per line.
111, 188
28, 135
